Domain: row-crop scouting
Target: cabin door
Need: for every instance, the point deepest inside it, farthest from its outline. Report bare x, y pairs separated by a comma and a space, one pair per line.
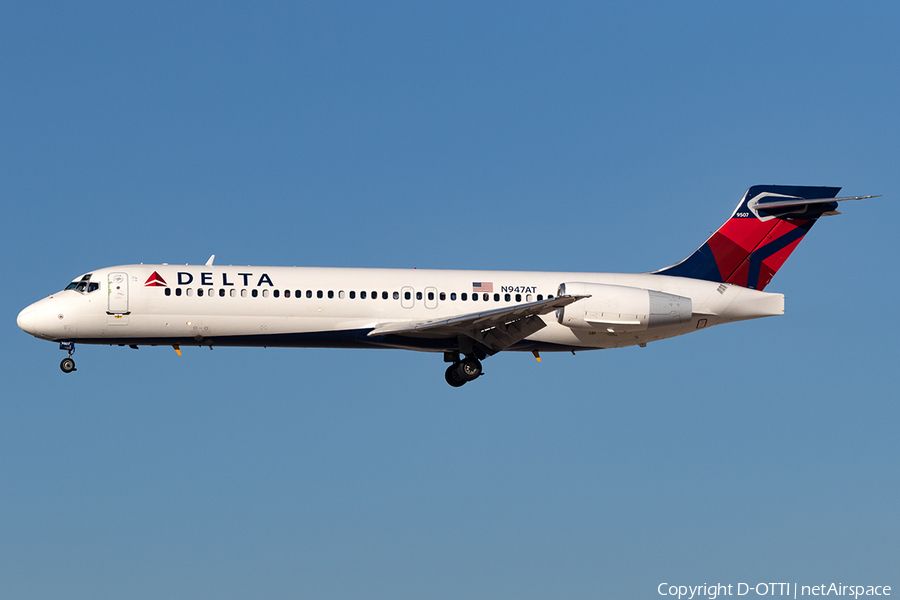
118, 294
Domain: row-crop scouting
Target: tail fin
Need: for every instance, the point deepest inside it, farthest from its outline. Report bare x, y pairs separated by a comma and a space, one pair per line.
766, 226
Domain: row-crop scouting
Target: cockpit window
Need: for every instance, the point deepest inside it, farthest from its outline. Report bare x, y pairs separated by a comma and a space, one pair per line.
84, 285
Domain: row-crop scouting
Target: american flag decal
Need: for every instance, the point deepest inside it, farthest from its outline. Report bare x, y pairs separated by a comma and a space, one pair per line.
482, 286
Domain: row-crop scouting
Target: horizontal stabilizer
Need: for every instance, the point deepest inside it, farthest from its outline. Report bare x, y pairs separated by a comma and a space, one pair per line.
768, 205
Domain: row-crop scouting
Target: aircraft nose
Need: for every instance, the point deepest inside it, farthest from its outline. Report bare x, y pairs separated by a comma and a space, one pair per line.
25, 320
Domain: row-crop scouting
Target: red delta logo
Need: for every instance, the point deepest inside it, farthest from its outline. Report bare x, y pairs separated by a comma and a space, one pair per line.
155, 280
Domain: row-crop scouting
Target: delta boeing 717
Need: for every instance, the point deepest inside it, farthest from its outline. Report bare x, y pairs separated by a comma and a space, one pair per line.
466, 316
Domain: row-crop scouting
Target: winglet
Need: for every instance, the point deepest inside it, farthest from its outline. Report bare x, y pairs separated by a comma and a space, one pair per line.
177, 349
537, 354
210, 261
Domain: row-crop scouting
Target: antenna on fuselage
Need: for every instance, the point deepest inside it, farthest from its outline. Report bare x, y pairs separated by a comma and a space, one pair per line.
210, 261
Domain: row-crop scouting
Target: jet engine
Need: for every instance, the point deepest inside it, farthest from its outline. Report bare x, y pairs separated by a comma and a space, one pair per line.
617, 308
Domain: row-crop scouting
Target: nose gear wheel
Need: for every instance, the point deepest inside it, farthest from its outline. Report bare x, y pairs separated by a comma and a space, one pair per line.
68, 363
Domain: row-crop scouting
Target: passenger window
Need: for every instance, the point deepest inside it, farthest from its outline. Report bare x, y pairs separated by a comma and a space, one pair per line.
309, 293
464, 296
443, 296
297, 293
319, 294
418, 295
474, 297
199, 292
506, 298
254, 293
189, 292
221, 292
374, 295
276, 293
396, 295
529, 298
431, 295
518, 297
265, 293
177, 291
244, 293
485, 296
232, 292
341, 294
330, 294
287, 293
452, 295
384, 295
549, 296
407, 295
362, 295
168, 291
352, 295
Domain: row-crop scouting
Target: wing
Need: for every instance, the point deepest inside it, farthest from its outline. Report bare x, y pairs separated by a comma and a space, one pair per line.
497, 329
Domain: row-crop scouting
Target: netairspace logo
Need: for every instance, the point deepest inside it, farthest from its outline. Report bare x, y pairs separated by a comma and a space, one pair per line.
713, 591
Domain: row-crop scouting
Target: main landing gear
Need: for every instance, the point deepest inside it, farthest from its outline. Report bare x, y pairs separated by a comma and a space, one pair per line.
463, 371
68, 364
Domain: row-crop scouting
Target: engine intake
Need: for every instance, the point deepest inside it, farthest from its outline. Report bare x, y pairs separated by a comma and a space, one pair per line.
618, 308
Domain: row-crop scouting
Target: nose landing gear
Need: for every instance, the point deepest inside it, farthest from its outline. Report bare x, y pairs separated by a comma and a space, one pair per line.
68, 364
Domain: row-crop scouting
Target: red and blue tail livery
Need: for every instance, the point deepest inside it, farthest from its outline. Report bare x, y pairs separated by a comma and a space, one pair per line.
766, 227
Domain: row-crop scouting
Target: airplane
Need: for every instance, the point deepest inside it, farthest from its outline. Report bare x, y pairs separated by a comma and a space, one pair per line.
464, 315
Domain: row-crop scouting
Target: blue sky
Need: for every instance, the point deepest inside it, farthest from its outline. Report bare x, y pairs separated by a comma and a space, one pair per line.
526, 136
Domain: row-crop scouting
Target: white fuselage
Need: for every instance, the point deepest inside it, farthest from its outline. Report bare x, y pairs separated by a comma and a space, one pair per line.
339, 307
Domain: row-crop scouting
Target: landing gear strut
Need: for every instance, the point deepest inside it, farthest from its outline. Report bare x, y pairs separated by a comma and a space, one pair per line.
68, 364
460, 372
